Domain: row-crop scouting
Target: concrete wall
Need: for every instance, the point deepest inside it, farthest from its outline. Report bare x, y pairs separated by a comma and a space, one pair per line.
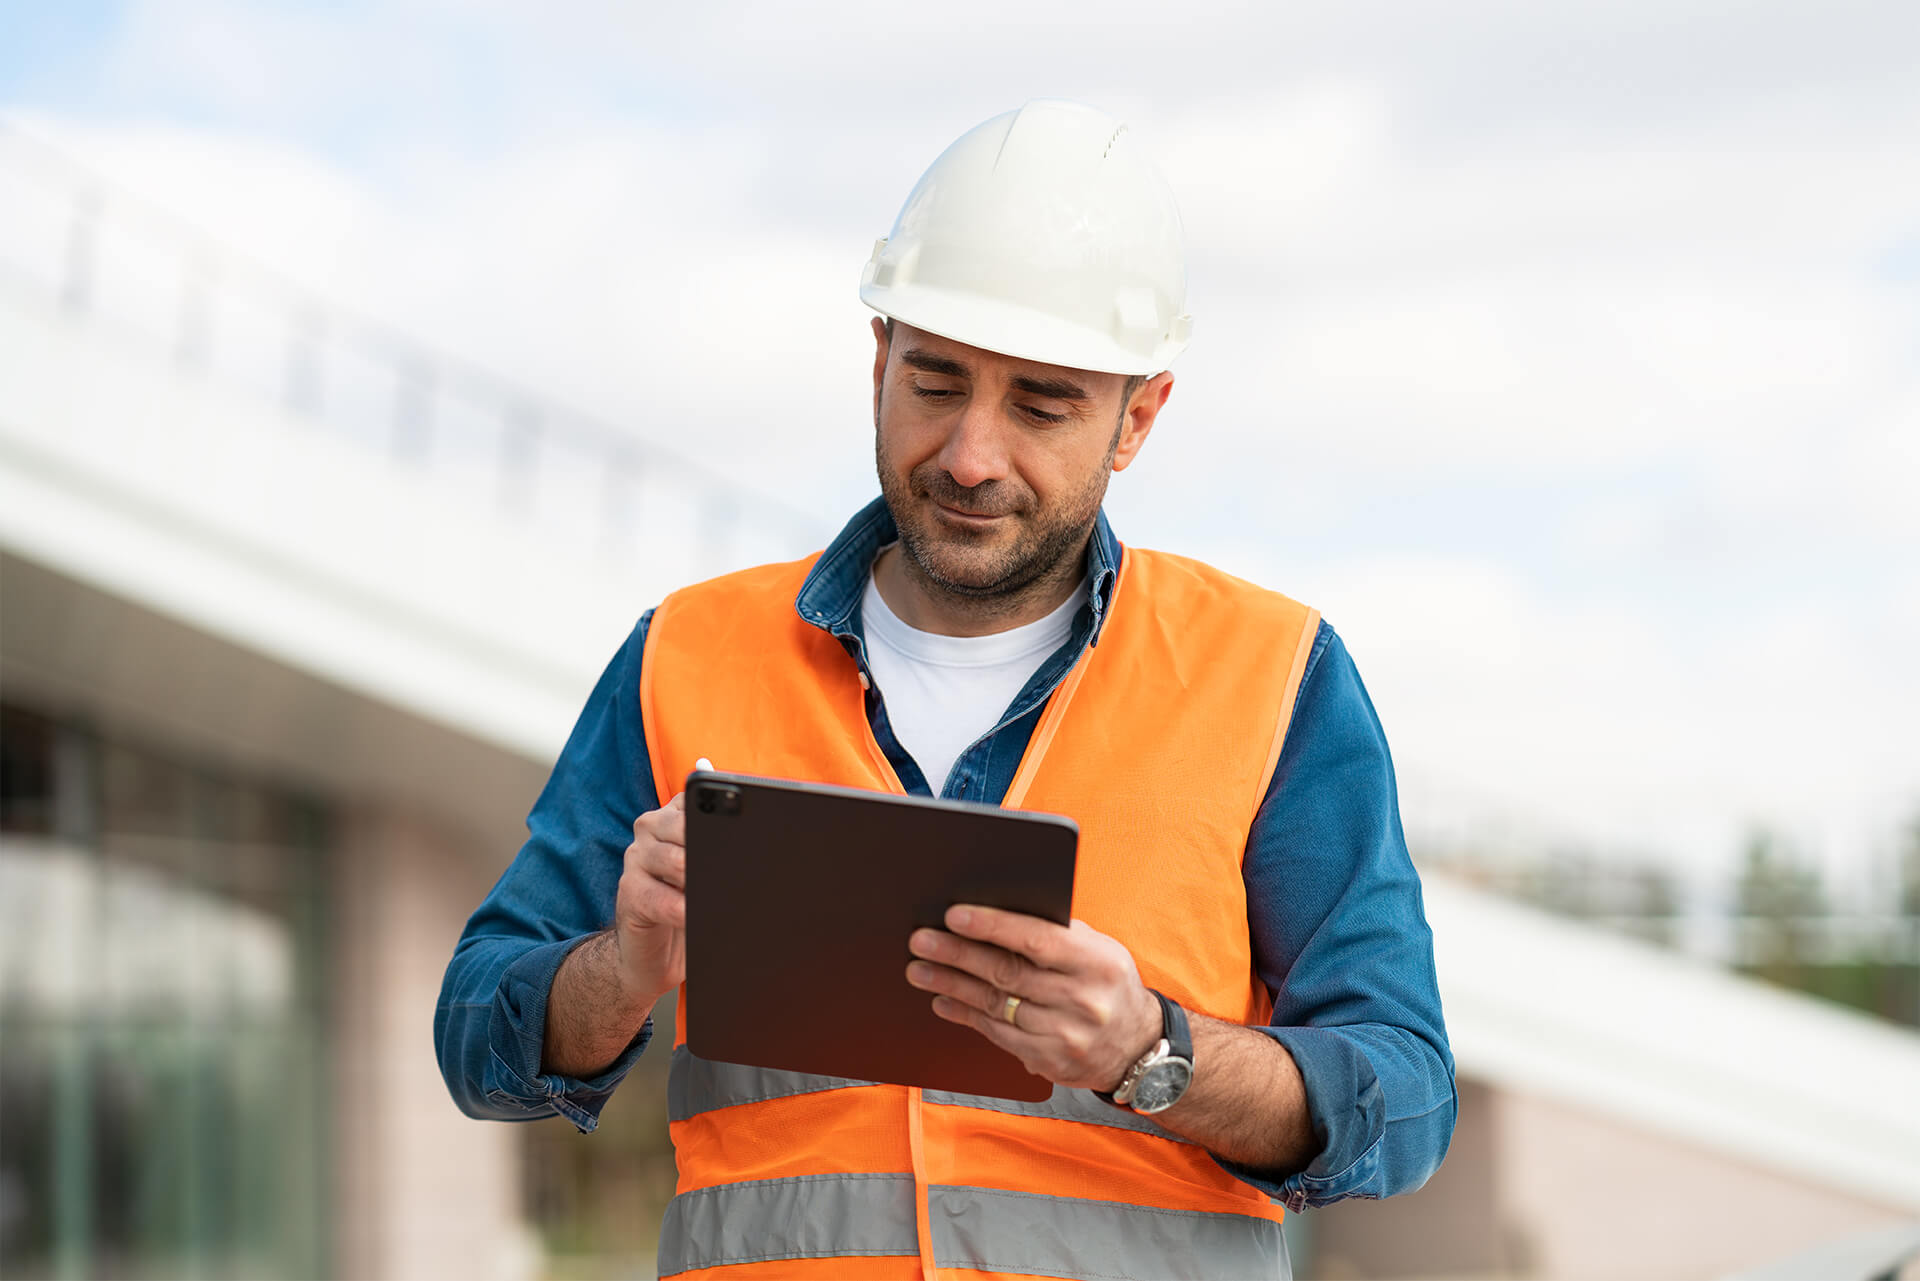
1450, 1228
1540, 1189
1591, 1198
422, 1192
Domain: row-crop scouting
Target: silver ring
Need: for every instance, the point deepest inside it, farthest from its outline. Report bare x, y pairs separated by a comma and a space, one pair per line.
1010, 1009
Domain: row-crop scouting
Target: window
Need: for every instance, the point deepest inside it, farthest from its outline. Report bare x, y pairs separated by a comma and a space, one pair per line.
160, 1057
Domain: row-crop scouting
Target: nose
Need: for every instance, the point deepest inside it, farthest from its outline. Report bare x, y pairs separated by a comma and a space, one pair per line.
975, 449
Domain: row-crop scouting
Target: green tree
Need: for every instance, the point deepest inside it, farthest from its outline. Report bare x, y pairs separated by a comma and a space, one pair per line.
1909, 871
1779, 899
1906, 999
1654, 896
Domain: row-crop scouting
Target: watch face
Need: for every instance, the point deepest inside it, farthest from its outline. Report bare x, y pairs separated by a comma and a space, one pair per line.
1161, 1086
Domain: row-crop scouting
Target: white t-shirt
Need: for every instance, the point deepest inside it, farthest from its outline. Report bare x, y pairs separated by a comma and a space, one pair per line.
944, 692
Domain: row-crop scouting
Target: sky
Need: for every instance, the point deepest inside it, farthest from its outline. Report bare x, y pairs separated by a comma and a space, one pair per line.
1566, 356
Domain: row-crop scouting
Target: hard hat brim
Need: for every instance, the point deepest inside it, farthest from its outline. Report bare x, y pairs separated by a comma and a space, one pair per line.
1012, 330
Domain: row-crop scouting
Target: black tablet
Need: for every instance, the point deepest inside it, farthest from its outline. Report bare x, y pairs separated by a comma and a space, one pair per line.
800, 899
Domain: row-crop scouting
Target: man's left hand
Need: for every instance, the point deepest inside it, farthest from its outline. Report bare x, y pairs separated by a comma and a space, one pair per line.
1083, 1015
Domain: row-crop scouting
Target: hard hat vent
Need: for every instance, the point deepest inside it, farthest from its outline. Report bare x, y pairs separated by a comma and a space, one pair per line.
1110, 141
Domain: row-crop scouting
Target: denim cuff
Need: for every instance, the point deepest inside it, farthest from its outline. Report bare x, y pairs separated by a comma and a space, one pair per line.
516, 1035
1348, 1115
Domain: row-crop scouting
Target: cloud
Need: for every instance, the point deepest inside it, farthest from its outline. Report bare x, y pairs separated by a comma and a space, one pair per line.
1562, 365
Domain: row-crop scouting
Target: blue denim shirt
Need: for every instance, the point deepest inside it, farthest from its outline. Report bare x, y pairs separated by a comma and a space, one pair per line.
1333, 903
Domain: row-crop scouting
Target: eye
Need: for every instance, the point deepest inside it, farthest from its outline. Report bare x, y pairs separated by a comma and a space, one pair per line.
933, 393
1043, 416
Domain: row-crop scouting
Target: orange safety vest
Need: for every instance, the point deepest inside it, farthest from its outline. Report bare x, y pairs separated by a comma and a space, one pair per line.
1160, 742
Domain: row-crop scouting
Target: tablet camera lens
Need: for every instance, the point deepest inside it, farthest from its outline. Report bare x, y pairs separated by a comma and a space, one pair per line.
717, 800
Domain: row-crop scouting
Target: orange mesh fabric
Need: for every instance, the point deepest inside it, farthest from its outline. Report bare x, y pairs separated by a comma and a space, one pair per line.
856, 1130
1160, 745
973, 1147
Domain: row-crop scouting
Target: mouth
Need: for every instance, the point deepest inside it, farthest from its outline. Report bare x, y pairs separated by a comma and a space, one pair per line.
960, 516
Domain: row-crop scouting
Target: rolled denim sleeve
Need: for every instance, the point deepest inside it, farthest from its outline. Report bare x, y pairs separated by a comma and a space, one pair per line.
490, 1025
1341, 939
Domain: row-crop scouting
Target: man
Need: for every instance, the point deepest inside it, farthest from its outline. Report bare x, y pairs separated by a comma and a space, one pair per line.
1242, 1015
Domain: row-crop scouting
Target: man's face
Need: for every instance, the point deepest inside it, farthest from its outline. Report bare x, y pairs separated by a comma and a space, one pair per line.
994, 468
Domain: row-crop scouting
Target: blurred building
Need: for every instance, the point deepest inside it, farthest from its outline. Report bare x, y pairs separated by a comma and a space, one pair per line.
293, 618
1627, 1111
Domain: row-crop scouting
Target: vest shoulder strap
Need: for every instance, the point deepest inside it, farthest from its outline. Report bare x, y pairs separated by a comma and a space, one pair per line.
1185, 611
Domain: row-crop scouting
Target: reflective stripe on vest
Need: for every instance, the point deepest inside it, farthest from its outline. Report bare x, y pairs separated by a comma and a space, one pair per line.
696, 1085
1160, 743
815, 1217
991, 1230
979, 1229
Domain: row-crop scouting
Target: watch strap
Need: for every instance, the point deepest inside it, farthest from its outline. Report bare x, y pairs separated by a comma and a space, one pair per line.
1174, 1030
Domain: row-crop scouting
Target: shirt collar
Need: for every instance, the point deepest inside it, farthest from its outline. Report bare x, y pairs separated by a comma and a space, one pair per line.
830, 596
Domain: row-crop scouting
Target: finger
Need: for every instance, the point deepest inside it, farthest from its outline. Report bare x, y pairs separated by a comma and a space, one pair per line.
662, 904
1040, 941
1005, 970
668, 823
644, 822
665, 863
1032, 1015
649, 896
1014, 1039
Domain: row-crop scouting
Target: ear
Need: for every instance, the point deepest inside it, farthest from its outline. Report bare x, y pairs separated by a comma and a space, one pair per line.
1139, 414
880, 345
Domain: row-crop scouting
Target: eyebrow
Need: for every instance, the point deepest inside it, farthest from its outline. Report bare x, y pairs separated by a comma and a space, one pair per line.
1052, 388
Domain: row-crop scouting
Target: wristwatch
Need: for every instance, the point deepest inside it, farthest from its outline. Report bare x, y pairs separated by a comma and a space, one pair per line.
1159, 1077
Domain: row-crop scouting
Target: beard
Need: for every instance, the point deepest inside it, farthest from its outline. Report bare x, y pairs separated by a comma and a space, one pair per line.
1031, 543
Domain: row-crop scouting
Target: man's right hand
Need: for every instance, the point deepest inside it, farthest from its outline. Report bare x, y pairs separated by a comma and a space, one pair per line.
606, 986
650, 914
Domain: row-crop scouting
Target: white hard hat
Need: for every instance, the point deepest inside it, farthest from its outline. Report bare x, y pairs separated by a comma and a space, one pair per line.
1045, 234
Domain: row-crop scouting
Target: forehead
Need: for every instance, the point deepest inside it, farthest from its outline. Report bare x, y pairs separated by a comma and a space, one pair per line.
978, 362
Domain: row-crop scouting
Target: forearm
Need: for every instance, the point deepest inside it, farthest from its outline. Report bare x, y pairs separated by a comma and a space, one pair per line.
1247, 1103
489, 1030
592, 1014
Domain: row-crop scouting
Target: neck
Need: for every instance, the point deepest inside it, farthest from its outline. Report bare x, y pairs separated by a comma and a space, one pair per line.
924, 605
